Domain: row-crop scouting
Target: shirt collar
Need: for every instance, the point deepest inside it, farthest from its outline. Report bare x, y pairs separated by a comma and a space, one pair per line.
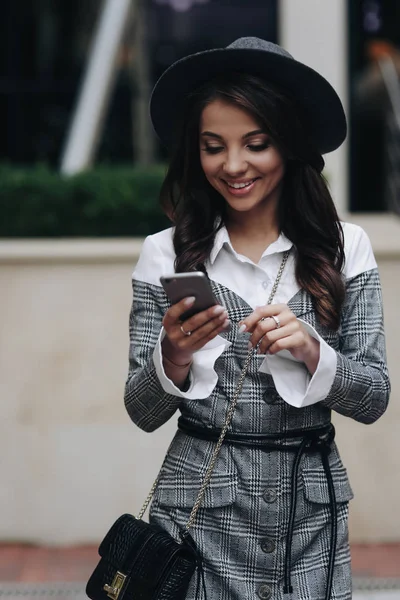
222, 238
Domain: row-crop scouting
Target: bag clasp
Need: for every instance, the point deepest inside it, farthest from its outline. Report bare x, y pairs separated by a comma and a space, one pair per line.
114, 590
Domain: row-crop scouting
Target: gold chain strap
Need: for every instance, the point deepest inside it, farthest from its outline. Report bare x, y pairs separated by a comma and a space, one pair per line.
228, 420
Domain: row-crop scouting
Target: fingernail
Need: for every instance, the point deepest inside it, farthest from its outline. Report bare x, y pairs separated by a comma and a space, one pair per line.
188, 301
218, 310
242, 328
249, 345
226, 323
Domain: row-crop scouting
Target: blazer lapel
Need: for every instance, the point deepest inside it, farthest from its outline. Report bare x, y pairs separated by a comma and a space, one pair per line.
301, 303
233, 302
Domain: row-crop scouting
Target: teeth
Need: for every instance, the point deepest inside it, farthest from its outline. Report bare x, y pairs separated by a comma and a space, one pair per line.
239, 186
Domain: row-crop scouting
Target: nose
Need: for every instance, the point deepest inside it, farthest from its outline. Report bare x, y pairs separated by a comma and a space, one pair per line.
234, 164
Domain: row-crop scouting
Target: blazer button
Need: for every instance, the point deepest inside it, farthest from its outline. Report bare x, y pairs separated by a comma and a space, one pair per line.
267, 545
269, 495
271, 396
264, 591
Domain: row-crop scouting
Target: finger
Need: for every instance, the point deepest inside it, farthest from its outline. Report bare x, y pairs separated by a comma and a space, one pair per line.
174, 312
210, 335
205, 328
249, 323
182, 340
205, 316
196, 340
288, 343
266, 325
276, 334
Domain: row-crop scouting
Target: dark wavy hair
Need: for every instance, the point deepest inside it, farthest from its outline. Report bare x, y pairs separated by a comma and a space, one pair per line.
306, 212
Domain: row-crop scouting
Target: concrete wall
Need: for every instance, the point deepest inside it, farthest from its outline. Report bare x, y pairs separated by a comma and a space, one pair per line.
71, 461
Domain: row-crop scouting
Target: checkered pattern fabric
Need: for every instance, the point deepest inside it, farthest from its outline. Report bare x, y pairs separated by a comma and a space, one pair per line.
240, 529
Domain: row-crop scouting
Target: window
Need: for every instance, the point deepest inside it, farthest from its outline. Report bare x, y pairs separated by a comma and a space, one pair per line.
374, 64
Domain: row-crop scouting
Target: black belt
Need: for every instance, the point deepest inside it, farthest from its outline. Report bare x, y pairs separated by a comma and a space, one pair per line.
311, 440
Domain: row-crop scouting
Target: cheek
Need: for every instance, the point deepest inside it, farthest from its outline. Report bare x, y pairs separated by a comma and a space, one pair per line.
209, 165
274, 167
279, 172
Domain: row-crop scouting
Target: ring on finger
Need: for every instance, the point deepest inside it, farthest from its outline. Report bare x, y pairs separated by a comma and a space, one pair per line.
185, 332
277, 321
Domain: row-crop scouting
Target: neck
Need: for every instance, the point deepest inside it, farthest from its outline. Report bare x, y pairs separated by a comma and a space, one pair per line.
254, 225
250, 234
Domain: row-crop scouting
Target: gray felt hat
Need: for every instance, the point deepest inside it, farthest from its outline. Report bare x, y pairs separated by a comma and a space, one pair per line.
318, 99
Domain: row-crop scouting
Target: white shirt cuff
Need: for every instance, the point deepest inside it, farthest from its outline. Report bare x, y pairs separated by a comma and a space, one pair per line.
203, 377
293, 381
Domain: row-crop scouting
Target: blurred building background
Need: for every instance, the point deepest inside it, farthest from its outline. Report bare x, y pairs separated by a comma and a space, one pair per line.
71, 460
45, 48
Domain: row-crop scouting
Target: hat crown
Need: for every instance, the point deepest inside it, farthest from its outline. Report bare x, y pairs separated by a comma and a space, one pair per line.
254, 43
312, 92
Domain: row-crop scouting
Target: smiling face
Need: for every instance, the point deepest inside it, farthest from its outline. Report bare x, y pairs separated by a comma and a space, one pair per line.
239, 159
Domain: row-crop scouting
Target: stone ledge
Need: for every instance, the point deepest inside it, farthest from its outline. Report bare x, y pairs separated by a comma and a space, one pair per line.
79, 250
383, 230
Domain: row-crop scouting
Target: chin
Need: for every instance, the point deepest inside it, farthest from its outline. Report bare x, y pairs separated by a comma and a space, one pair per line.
243, 205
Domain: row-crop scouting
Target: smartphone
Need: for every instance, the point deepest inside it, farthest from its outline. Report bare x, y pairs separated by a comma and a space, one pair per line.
182, 285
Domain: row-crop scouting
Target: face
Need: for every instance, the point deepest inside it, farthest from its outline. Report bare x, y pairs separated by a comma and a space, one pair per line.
239, 159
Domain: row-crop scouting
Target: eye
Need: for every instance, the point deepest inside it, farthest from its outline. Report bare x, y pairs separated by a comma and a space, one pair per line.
213, 149
258, 147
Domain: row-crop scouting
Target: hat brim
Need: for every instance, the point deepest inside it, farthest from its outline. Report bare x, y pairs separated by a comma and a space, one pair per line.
316, 96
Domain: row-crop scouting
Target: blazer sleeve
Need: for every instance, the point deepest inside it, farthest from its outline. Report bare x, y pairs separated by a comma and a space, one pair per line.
148, 405
361, 385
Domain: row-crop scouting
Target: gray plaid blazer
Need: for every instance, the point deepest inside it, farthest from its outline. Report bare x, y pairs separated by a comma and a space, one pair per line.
241, 526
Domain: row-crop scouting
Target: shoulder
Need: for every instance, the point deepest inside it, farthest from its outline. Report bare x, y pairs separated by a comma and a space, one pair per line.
359, 256
160, 242
156, 257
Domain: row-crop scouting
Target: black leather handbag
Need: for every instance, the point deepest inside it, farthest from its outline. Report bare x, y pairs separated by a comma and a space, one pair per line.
141, 561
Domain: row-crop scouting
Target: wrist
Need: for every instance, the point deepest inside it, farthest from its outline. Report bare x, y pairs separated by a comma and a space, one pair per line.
177, 365
311, 354
176, 358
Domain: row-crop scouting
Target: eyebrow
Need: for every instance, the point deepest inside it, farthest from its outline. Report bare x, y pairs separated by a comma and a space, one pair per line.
244, 137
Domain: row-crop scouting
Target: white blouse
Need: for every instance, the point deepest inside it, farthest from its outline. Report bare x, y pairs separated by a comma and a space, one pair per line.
253, 282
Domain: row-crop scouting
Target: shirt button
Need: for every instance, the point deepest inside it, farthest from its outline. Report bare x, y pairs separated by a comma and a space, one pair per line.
264, 284
264, 591
269, 496
267, 545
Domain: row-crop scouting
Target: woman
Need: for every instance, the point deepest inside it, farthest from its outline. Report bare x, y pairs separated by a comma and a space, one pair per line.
248, 125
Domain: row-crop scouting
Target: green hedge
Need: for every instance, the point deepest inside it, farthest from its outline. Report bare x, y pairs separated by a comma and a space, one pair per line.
106, 201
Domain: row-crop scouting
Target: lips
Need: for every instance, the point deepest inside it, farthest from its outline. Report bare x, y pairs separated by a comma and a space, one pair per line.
240, 185
240, 188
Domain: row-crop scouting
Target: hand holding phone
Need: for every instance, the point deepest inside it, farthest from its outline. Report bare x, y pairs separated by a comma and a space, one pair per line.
190, 326
184, 285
